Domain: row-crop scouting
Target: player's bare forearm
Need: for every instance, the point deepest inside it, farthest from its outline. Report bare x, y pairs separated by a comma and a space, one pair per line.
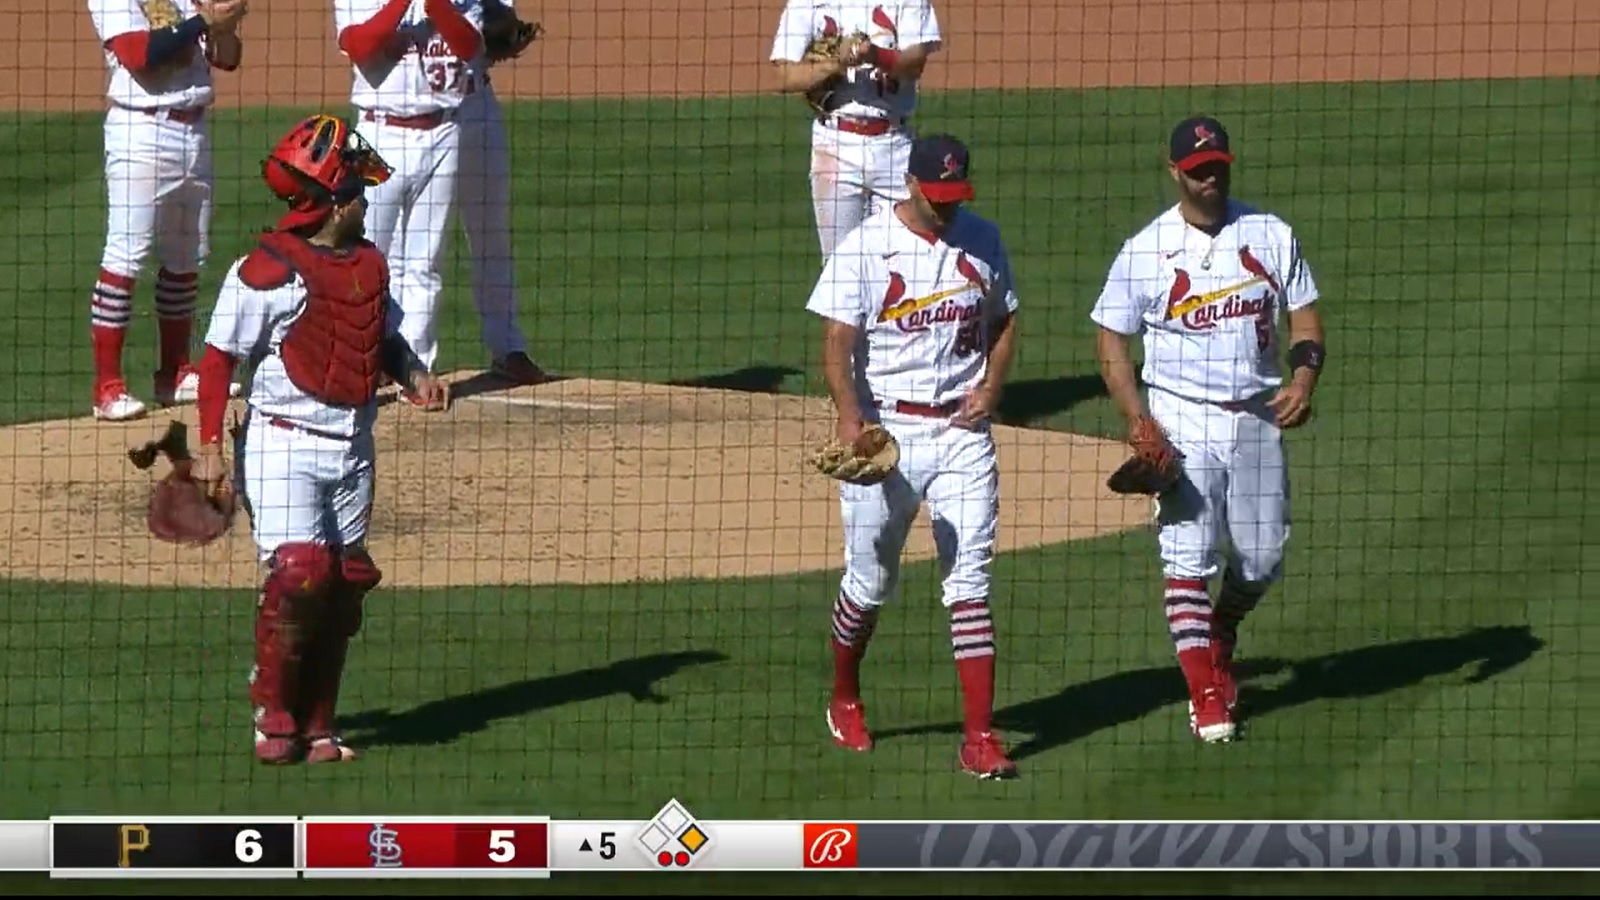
1002, 346
1117, 370
838, 354
1306, 325
799, 77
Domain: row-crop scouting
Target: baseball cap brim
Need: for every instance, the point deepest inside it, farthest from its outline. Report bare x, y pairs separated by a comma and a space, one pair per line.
948, 191
1203, 157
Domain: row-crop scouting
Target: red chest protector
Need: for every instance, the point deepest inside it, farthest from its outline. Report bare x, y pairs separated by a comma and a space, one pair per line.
333, 350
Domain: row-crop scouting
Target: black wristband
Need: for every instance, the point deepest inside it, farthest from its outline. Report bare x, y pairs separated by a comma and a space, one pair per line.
1306, 354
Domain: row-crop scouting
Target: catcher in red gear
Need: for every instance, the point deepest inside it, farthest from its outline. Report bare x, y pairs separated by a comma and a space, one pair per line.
308, 312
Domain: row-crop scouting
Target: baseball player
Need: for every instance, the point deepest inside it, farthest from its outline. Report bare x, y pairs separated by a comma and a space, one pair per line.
918, 305
863, 99
309, 313
420, 78
1205, 283
160, 54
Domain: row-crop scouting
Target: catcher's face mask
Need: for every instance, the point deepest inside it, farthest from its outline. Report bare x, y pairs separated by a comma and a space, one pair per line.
323, 163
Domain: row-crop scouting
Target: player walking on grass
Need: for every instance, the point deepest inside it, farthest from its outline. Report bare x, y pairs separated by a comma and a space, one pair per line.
158, 181
310, 314
1205, 284
918, 305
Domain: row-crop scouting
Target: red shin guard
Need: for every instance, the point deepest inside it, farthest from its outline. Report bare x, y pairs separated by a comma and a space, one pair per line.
340, 620
280, 652
299, 581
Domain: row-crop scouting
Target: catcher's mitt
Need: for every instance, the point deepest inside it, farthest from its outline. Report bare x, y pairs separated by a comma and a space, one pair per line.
182, 510
504, 35
1154, 466
870, 460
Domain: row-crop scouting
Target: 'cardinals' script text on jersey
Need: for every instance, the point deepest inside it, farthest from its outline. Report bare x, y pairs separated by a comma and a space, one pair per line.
925, 305
890, 24
1208, 308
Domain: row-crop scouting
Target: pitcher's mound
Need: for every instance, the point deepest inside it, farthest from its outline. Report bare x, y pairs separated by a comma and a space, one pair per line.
578, 481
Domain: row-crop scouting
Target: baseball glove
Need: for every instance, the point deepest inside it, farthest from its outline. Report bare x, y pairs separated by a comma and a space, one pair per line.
823, 47
870, 460
1154, 466
181, 509
504, 35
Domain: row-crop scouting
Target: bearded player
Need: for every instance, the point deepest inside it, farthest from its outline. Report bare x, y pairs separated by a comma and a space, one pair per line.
309, 312
1205, 283
862, 99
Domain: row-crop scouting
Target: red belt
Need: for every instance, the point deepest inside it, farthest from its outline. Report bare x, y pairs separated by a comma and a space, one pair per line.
423, 122
925, 410
287, 425
868, 127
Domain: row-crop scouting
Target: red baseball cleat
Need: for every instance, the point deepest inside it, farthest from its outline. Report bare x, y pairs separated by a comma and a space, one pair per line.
983, 757
1211, 717
276, 742
847, 722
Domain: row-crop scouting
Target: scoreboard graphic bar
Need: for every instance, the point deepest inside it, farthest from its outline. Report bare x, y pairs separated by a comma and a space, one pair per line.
423, 847
675, 840
173, 847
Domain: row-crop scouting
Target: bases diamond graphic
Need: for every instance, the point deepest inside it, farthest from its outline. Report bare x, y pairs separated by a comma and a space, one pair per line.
673, 838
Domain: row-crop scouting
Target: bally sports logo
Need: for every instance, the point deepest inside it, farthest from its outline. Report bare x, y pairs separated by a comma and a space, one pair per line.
830, 845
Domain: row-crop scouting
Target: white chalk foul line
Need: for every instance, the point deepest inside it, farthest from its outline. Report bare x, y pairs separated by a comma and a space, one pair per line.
544, 402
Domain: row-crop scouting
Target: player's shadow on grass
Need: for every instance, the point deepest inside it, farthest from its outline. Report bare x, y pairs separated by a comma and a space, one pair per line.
1027, 401
1083, 709
758, 379
447, 720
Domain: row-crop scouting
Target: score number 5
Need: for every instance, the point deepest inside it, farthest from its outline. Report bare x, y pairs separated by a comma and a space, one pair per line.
444, 75
502, 849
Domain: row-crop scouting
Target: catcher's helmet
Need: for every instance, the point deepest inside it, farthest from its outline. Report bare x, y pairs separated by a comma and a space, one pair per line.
320, 164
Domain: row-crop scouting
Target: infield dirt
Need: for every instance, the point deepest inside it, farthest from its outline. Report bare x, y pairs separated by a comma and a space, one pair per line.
600, 481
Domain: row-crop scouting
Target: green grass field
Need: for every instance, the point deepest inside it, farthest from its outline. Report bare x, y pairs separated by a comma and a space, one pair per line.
1426, 656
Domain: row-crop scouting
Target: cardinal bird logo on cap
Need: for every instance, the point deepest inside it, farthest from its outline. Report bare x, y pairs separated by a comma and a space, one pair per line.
952, 166
1202, 136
